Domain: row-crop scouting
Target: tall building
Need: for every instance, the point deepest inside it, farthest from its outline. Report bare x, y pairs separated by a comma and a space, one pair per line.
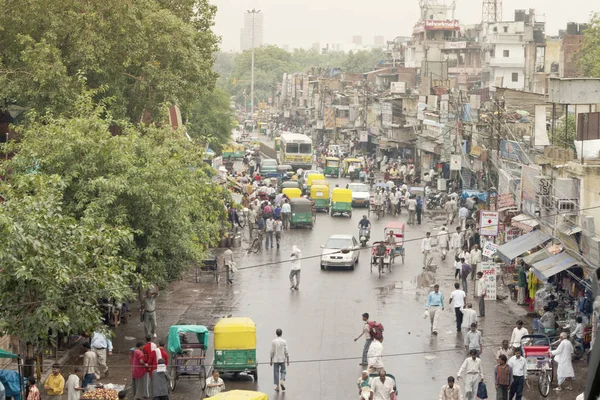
246, 32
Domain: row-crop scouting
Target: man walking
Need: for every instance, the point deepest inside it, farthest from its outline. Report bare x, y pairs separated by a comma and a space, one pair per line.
90, 366
270, 230
411, 206
457, 299
279, 360
503, 376
419, 209
521, 284
480, 292
443, 241
286, 213
463, 214
100, 344
149, 312
517, 334
251, 219
563, 356
295, 269
473, 374
475, 258
449, 209
505, 349
456, 242
278, 229
435, 301
368, 339
426, 248
474, 341
518, 365
451, 391
375, 356
229, 264
469, 317
465, 270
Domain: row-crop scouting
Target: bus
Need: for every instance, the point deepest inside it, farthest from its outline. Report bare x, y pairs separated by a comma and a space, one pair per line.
295, 150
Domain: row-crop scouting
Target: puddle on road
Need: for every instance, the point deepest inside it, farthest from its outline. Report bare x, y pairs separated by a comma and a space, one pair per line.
423, 280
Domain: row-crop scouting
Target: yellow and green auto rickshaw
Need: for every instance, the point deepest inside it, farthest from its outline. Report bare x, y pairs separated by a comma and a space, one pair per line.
233, 150
358, 166
332, 166
239, 395
277, 143
289, 185
235, 346
341, 202
303, 213
311, 178
292, 193
319, 194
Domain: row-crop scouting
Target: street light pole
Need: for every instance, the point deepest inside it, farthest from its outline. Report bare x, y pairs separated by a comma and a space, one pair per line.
253, 12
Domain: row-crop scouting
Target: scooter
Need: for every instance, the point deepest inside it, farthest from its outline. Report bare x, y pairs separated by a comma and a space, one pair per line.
364, 236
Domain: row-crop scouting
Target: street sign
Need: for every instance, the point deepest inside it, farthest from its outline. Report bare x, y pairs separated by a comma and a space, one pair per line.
489, 276
489, 249
488, 223
455, 162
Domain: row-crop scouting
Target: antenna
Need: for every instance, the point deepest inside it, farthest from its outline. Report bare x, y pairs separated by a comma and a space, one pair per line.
491, 11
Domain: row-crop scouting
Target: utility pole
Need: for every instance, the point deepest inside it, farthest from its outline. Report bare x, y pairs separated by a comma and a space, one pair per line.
253, 12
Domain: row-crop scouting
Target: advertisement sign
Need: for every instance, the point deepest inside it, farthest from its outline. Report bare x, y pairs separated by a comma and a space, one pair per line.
512, 234
437, 25
386, 114
488, 223
489, 276
489, 249
364, 136
455, 162
398, 87
455, 45
511, 150
506, 200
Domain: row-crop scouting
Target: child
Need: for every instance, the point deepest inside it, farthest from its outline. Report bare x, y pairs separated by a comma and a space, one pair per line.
160, 382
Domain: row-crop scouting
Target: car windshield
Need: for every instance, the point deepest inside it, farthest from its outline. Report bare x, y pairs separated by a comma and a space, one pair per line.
358, 187
338, 243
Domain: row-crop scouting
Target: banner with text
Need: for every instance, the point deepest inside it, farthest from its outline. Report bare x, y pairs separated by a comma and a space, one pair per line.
489, 276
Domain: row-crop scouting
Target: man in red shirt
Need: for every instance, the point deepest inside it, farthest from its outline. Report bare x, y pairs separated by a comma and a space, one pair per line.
141, 389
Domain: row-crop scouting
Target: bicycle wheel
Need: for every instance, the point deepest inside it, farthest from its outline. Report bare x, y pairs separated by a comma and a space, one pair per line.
217, 274
202, 377
380, 266
544, 384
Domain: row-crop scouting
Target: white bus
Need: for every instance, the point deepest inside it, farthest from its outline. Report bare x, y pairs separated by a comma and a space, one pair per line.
296, 150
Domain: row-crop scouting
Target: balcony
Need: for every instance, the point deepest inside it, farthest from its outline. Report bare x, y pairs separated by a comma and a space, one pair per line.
507, 62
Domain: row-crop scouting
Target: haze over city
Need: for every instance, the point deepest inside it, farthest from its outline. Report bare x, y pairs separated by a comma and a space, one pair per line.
296, 23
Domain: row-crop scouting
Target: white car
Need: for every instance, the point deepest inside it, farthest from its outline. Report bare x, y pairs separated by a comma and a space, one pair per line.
340, 251
360, 194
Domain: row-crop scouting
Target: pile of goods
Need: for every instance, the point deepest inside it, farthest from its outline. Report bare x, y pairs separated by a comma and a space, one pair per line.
101, 394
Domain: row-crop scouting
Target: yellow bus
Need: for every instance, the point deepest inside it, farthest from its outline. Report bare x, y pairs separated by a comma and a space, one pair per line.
295, 150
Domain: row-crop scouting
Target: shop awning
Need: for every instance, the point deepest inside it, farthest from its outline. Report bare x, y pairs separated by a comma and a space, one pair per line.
522, 244
553, 265
569, 229
537, 257
525, 222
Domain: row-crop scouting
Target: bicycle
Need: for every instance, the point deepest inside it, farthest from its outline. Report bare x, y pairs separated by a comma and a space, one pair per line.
256, 244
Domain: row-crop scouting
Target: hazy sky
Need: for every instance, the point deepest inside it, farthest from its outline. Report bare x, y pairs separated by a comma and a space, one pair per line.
300, 23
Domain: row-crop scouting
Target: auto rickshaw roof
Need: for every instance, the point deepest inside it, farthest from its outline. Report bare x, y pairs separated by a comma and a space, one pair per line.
332, 158
300, 201
235, 324
239, 395
174, 344
395, 225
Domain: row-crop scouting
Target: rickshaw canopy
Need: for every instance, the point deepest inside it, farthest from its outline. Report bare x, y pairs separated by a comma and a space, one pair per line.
396, 227
284, 168
235, 333
301, 205
174, 344
332, 161
320, 182
239, 395
290, 185
341, 195
292, 193
319, 192
313, 177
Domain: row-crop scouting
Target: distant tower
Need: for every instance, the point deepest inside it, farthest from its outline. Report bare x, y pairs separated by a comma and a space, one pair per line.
491, 11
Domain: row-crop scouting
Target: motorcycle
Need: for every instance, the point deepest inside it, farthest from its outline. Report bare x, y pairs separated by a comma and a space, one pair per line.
435, 200
364, 236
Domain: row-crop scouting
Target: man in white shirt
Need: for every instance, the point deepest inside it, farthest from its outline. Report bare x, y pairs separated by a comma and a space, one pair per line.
395, 200
382, 387
519, 370
451, 391
100, 344
480, 292
473, 374
270, 230
517, 334
463, 214
214, 384
456, 242
279, 360
449, 207
443, 241
426, 248
475, 258
286, 213
229, 264
563, 357
278, 228
457, 299
295, 269
411, 205
469, 317
375, 356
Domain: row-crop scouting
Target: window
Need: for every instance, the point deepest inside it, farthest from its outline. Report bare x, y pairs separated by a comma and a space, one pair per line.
305, 148
493, 53
291, 148
506, 29
495, 29
515, 77
506, 53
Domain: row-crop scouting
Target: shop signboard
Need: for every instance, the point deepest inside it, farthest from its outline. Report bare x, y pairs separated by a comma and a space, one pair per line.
488, 223
489, 276
511, 150
512, 234
489, 249
364, 136
506, 200
386, 114
455, 162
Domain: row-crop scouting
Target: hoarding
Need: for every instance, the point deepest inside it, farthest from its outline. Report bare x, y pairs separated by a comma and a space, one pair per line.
489, 276
488, 223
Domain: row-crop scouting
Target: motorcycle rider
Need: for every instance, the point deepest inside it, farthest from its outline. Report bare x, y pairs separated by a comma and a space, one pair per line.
364, 225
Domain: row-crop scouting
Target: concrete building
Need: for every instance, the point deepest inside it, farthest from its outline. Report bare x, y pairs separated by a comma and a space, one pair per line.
571, 44
250, 20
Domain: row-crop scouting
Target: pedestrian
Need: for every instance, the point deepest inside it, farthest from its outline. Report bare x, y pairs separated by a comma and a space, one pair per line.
463, 214
473, 374
505, 350
277, 212
270, 230
451, 391
563, 357
457, 299
382, 387
517, 334
457, 267
32, 389
521, 284
251, 220
449, 210
364, 385
55, 384
473, 340
368, 339
411, 206
280, 358
443, 241
296, 268
101, 344
157, 354
419, 209
278, 228
375, 356
160, 381
469, 317
465, 270
503, 377
480, 292
73, 384
138, 371
426, 248
286, 212
214, 384
229, 263
90, 366
518, 365
475, 258
456, 242
149, 313
435, 301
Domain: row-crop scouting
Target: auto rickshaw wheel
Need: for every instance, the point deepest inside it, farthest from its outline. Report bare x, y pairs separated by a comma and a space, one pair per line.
202, 376
332, 212
350, 214
255, 375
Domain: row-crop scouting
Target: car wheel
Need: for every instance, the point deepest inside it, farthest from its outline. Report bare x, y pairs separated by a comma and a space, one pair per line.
322, 266
356, 262
352, 267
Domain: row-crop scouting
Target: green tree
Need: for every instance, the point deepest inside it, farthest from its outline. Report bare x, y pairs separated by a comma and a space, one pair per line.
362, 60
211, 119
564, 134
142, 53
54, 267
589, 56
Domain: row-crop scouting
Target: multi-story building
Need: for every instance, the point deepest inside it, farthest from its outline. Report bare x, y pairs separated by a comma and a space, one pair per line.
252, 31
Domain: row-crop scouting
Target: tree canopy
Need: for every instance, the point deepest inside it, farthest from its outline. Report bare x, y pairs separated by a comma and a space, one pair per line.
589, 56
